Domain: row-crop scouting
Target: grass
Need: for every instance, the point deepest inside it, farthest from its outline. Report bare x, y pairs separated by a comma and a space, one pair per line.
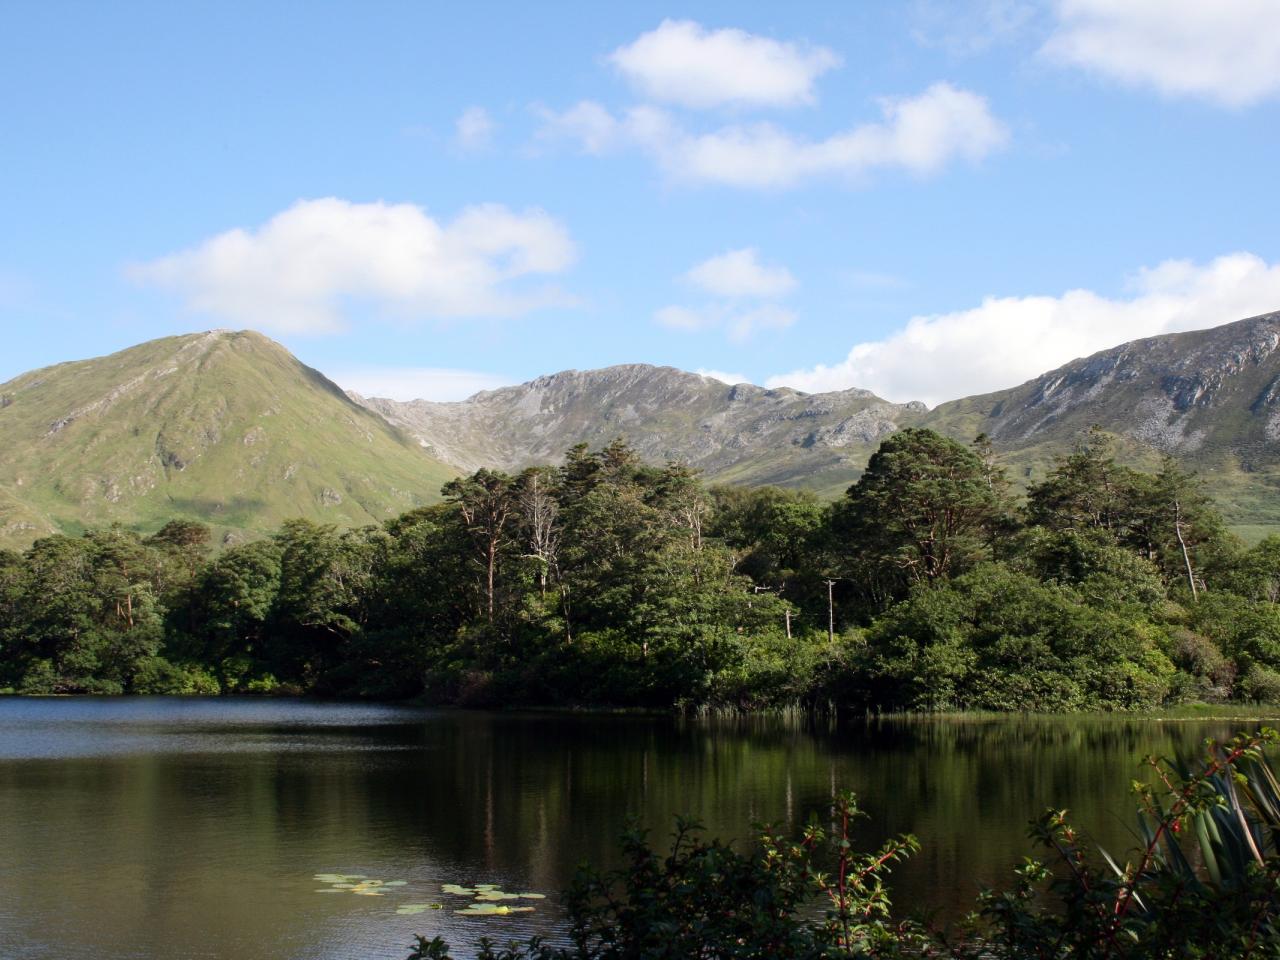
227, 429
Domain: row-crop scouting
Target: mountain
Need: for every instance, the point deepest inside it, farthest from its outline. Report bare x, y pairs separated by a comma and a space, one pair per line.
734, 434
1211, 398
226, 428
231, 429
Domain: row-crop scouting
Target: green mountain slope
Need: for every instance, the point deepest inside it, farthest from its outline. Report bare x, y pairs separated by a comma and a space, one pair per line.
226, 428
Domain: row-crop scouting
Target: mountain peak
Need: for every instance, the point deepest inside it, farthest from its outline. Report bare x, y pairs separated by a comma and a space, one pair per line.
222, 426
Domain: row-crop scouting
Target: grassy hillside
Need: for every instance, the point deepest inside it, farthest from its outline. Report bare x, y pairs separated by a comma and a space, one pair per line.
226, 428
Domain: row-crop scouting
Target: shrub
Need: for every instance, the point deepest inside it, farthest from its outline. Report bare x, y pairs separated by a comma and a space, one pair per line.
1261, 684
156, 675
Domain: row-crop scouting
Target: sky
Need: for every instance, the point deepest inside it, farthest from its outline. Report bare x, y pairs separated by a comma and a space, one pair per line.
928, 199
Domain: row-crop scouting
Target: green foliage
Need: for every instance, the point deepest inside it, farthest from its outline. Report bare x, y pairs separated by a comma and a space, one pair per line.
156, 675
1204, 880
1261, 684
609, 581
998, 639
925, 509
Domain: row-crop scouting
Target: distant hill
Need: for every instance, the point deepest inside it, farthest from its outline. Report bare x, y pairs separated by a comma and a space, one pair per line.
226, 428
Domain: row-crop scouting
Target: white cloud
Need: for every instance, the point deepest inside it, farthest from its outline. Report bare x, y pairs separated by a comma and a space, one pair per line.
586, 123
745, 288
417, 383
740, 323
688, 319
920, 134
683, 62
1009, 340
297, 271
744, 325
739, 273
730, 378
1226, 51
474, 129
966, 28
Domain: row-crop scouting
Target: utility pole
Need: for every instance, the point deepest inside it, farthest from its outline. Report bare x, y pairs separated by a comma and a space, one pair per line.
831, 613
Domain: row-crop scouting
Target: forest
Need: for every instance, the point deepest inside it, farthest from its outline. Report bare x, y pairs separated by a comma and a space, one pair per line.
931, 585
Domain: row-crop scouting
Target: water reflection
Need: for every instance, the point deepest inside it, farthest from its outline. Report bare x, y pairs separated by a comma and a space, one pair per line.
164, 828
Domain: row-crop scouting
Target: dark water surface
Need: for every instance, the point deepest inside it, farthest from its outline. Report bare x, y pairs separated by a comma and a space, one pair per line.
192, 828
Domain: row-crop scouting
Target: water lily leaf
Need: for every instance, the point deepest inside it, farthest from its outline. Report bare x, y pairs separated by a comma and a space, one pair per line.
491, 910
394, 883
532, 896
457, 890
496, 895
486, 886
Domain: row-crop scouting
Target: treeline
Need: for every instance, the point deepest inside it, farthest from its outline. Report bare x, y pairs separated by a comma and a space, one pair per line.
928, 586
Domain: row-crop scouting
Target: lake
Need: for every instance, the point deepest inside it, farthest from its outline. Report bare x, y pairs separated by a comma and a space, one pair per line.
174, 828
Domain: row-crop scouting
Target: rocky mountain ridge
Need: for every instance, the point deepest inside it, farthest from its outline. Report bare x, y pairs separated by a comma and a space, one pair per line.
741, 432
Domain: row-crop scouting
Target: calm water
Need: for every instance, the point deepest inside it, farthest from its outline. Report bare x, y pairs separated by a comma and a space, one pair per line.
169, 828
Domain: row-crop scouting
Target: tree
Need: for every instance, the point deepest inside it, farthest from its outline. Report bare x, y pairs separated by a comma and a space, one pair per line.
231, 605
1085, 489
323, 603
998, 639
540, 522
1176, 524
487, 500
924, 507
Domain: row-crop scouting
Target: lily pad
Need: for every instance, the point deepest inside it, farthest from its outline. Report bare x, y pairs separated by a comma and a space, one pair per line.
491, 910
458, 890
357, 883
532, 896
495, 895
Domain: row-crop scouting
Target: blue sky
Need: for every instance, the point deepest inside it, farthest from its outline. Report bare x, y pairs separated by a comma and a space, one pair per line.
927, 199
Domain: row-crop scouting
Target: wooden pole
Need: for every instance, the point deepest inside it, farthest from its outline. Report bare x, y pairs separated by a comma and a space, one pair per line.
831, 613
